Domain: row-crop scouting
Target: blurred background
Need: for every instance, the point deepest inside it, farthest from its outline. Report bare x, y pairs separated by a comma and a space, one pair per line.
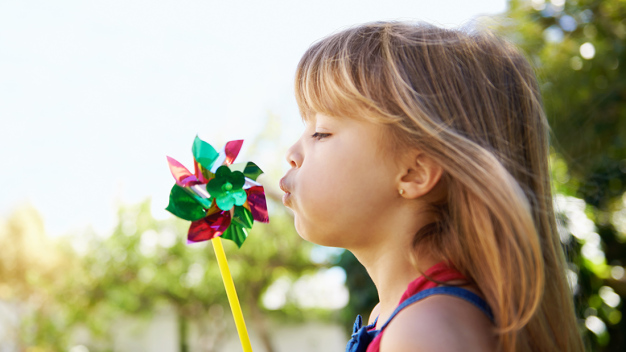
94, 95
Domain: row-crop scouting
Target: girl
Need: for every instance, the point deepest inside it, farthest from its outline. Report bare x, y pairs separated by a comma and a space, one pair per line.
425, 154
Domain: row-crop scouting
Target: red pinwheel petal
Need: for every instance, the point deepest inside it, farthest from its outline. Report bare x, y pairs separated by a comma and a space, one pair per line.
183, 177
209, 227
231, 149
258, 205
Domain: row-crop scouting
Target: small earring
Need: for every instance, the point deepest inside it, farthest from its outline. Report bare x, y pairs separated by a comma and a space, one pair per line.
401, 191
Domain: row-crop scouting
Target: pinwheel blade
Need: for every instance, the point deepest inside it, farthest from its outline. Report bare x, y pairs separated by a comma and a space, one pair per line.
243, 217
181, 174
252, 171
258, 205
236, 234
184, 205
204, 153
209, 227
231, 150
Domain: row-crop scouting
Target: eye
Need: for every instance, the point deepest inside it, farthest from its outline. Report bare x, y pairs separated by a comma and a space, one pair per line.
320, 136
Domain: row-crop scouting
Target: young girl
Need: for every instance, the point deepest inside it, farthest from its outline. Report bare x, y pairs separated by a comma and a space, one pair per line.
426, 155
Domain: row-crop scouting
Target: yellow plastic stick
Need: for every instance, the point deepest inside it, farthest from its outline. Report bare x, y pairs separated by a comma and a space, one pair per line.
231, 293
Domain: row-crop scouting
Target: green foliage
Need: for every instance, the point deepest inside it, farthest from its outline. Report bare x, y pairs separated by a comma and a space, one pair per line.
580, 53
363, 294
579, 50
31, 266
144, 264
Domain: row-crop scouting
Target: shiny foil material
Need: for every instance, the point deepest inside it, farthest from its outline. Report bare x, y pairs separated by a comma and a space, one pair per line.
219, 198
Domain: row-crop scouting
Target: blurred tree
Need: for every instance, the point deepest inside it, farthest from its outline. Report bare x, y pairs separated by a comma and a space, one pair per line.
144, 265
579, 50
29, 266
363, 293
25, 257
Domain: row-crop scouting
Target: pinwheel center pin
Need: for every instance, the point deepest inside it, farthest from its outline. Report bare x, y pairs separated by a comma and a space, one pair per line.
227, 187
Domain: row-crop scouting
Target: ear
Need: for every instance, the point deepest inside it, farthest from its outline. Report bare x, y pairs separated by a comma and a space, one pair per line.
420, 175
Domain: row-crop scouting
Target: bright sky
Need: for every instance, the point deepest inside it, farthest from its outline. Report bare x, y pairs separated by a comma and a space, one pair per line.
94, 94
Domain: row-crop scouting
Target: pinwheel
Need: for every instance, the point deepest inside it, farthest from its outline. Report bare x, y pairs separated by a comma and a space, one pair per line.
221, 199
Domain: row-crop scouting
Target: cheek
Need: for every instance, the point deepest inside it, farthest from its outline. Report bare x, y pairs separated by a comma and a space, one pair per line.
319, 202
318, 191
329, 183
334, 205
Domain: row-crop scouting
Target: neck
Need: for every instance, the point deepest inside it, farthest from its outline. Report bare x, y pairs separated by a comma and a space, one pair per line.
389, 254
392, 267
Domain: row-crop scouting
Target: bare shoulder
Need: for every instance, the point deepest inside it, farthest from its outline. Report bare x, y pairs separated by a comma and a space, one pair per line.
439, 323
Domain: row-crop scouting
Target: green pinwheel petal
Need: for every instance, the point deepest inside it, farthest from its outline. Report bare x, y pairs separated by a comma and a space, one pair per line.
236, 234
225, 203
214, 187
237, 179
204, 153
239, 196
184, 205
226, 188
222, 172
243, 217
252, 171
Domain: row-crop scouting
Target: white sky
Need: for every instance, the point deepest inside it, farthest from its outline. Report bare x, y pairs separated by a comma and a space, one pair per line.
94, 94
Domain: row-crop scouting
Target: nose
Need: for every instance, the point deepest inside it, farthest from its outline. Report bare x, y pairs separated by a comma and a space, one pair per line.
294, 155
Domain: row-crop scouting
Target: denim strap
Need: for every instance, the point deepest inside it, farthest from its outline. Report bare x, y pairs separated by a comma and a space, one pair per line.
362, 336
459, 292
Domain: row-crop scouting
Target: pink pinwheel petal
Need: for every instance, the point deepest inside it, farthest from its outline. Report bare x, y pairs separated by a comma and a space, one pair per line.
258, 205
183, 177
231, 149
209, 227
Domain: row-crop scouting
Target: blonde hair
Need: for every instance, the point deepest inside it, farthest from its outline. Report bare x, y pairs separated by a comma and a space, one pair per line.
470, 100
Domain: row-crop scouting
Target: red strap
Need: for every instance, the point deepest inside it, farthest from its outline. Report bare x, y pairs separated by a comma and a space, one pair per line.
439, 272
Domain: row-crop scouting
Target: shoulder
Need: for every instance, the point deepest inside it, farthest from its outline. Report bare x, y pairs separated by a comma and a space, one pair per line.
439, 323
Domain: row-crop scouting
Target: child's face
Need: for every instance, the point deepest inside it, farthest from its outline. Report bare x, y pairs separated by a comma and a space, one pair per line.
341, 184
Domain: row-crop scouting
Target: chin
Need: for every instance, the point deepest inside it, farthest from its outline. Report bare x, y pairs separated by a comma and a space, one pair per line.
326, 239
301, 230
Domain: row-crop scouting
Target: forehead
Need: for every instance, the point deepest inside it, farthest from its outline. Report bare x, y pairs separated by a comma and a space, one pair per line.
322, 118
371, 132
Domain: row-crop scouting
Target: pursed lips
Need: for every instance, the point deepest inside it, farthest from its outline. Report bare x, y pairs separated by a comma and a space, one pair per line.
283, 186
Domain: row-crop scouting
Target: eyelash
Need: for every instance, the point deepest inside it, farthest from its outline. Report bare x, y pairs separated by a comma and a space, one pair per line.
319, 135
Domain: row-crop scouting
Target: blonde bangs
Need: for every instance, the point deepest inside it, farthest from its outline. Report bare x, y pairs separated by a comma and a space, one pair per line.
335, 79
